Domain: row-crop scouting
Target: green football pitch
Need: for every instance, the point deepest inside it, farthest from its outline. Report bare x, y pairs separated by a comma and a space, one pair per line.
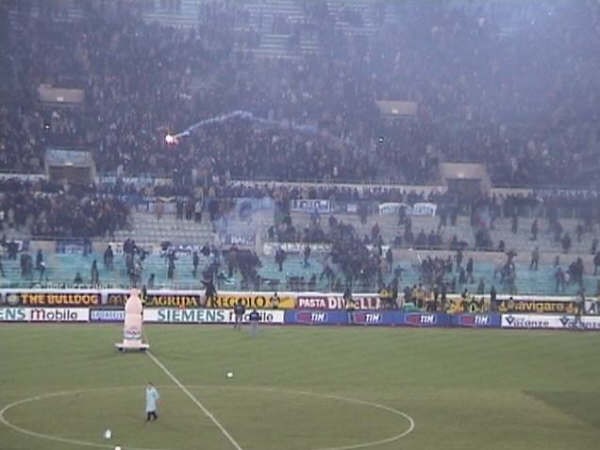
300, 388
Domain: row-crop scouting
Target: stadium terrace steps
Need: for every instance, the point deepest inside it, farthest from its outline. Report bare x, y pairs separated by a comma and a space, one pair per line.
273, 44
389, 228
69, 13
337, 7
262, 13
147, 228
185, 17
61, 269
545, 241
277, 45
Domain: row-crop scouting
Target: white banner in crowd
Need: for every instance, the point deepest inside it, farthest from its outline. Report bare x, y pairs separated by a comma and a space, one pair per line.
269, 248
311, 205
423, 209
418, 209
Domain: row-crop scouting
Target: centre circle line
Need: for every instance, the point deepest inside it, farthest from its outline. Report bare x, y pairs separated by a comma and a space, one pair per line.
79, 442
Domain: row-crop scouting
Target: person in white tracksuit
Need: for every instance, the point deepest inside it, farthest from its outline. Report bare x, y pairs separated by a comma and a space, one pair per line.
152, 397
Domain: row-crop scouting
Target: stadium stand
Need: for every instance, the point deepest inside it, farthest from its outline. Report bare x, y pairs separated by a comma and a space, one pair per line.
308, 79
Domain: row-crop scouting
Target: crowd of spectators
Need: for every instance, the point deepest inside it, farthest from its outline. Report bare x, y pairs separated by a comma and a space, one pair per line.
40, 208
482, 83
519, 95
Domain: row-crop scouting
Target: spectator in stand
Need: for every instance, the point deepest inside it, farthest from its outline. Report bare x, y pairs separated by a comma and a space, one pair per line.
94, 274
534, 230
123, 110
280, 256
306, 254
108, 258
535, 259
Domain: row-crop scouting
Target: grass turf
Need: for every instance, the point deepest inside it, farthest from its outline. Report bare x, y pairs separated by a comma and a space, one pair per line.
465, 389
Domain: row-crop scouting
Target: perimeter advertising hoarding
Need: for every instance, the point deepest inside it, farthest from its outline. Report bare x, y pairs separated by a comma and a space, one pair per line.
159, 300
306, 317
59, 314
391, 318
333, 317
251, 300
535, 306
550, 321
475, 320
19, 314
201, 315
585, 322
334, 301
419, 319
107, 315
12, 314
53, 298
315, 317
197, 300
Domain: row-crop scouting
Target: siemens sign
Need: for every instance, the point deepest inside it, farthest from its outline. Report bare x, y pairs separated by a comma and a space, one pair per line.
13, 315
196, 316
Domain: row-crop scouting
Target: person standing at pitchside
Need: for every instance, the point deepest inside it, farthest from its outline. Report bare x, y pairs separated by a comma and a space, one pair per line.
254, 318
239, 310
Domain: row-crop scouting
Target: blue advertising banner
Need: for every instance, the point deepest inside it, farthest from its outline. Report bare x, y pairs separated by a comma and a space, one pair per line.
377, 317
322, 317
419, 319
315, 317
107, 315
476, 320
389, 318
367, 317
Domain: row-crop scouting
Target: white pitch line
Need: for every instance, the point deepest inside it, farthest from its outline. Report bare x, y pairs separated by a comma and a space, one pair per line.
80, 443
197, 402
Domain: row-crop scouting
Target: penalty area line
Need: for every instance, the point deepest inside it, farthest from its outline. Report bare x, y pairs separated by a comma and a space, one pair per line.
193, 398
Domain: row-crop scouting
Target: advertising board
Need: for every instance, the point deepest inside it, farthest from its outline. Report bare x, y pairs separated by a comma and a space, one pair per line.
419, 319
22, 314
201, 315
333, 301
535, 306
551, 321
585, 322
475, 320
107, 315
338, 317
53, 298
312, 317
159, 299
252, 300
197, 300
58, 314
531, 321
376, 317
13, 314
